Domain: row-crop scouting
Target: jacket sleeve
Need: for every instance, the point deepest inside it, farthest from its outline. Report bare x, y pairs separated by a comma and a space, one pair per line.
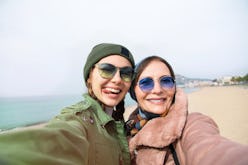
202, 144
62, 141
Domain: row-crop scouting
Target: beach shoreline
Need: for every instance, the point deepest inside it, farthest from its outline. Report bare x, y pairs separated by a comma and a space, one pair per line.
227, 105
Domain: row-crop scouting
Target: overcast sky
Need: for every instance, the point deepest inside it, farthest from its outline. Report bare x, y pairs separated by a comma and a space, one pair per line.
44, 43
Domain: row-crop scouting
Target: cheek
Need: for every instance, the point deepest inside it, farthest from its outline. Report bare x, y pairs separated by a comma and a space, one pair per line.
95, 86
139, 94
127, 86
171, 93
95, 81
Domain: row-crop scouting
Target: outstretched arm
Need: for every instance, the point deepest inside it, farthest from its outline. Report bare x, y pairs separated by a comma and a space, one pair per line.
202, 144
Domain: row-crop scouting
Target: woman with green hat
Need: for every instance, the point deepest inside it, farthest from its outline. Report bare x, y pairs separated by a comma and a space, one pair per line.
89, 132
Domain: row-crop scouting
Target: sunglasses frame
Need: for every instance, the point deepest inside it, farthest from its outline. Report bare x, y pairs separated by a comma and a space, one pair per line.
108, 73
151, 84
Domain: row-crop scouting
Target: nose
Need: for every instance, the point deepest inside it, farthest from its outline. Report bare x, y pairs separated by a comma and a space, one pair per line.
157, 87
117, 77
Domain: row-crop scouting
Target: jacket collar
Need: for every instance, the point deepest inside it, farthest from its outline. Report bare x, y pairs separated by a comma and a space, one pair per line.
96, 108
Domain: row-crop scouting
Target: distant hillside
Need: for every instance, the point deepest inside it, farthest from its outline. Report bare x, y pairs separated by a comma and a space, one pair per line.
182, 80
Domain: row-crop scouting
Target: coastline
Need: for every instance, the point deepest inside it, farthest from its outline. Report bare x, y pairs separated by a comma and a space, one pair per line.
227, 105
31, 126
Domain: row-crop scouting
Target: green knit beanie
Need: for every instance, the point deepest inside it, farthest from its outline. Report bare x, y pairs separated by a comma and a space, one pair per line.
103, 50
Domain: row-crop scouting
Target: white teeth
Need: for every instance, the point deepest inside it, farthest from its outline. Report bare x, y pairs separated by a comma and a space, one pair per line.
113, 90
156, 100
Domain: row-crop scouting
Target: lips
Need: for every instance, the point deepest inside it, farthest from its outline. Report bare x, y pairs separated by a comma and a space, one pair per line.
111, 91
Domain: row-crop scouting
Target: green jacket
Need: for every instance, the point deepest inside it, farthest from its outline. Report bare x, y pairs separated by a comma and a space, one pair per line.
82, 134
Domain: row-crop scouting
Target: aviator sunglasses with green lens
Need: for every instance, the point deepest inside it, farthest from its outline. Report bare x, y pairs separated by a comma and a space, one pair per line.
108, 71
147, 84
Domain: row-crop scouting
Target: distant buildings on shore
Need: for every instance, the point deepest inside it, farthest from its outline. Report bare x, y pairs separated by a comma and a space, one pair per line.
183, 81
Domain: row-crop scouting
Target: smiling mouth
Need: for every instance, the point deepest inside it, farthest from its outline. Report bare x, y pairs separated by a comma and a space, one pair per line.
157, 100
111, 91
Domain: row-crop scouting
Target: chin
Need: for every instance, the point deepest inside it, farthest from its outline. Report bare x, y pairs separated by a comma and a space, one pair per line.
158, 111
111, 103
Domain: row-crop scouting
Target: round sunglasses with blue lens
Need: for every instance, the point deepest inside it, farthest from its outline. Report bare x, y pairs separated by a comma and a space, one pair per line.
147, 84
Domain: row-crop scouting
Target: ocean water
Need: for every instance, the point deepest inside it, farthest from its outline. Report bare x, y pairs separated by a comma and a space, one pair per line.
19, 112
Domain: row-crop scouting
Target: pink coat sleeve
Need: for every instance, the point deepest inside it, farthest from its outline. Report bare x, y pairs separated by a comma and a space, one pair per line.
201, 143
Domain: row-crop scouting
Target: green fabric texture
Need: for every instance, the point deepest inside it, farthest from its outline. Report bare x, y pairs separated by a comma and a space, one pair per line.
82, 134
103, 50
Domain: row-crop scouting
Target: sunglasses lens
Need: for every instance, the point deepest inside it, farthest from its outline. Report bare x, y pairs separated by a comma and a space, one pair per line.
126, 74
106, 70
146, 84
167, 82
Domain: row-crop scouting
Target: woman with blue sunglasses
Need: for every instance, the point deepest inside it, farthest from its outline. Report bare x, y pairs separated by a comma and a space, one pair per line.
161, 131
88, 132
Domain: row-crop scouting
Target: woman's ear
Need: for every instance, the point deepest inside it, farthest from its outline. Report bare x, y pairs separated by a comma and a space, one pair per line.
88, 82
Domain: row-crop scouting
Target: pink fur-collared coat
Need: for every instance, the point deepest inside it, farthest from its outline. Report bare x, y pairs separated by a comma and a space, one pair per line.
195, 137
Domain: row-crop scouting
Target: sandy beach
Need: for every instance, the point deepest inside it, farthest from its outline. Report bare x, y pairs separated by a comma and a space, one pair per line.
227, 105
